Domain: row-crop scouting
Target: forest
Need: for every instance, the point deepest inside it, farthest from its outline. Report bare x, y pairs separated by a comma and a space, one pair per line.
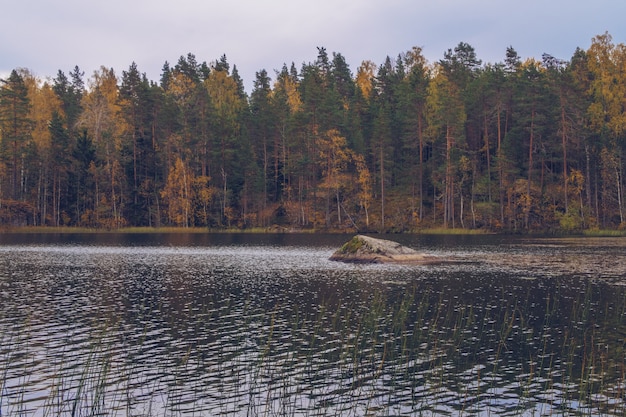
522, 145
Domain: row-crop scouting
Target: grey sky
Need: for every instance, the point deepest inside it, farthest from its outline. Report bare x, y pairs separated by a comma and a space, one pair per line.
46, 36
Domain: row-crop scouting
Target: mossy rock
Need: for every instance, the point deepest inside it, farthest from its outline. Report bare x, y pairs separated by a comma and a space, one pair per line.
366, 249
352, 246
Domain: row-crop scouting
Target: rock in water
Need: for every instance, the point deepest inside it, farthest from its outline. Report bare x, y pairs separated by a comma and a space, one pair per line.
365, 249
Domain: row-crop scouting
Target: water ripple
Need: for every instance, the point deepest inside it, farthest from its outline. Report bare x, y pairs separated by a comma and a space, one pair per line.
250, 330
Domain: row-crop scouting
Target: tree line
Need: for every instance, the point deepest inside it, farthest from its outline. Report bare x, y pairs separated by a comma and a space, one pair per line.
519, 145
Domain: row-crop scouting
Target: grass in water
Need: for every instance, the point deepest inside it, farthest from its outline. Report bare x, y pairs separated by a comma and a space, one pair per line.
396, 351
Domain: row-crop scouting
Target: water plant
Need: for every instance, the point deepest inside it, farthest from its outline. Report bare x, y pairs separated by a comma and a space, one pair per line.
345, 344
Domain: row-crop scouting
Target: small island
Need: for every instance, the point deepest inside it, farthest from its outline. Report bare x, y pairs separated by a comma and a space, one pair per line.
366, 249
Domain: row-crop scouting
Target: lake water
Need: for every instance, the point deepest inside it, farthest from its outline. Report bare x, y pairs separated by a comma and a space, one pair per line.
247, 325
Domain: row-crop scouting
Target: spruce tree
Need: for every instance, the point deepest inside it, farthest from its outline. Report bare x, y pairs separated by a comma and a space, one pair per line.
15, 126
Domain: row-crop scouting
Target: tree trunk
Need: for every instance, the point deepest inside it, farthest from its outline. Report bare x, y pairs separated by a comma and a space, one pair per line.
588, 179
500, 170
338, 205
618, 179
487, 157
564, 144
382, 189
420, 138
530, 170
448, 197
265, 168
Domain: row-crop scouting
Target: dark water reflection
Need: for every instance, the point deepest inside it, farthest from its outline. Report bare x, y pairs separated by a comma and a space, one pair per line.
266, 325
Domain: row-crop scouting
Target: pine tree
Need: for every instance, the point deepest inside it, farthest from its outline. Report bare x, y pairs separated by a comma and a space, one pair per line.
60, 166
15, 126
414, 91
262, 126
82, 192
446, 123
606, 64
70, 92
138, 107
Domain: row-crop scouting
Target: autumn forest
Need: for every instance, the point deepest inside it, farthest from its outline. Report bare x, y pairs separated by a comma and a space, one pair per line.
521, 145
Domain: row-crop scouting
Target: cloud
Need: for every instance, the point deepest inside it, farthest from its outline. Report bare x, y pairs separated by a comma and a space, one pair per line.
47, 36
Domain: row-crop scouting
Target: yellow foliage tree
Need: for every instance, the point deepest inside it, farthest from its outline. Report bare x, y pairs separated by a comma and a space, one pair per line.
202, 194
335, 158
225, 99
100, 119
289, 87
100, 110
43, 103
364, 181
176, 194
446, 121
365, 78
227, 105
607, 64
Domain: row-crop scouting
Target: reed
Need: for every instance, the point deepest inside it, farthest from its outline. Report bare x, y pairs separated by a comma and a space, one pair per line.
387, 353
603, 233
452, 231
146, 230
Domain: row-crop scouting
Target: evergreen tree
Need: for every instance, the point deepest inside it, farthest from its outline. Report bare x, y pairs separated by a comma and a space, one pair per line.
70, 92
138, 108
413, 104
227, 108
385, 132
607, 89
81, 191
61, 164
288, 160
446, 129
15, 126
517, 145
261, 127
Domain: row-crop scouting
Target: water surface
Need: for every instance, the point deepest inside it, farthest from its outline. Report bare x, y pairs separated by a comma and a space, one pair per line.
193, 324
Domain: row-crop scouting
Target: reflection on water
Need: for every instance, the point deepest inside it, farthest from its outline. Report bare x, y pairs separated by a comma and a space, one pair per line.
260, 326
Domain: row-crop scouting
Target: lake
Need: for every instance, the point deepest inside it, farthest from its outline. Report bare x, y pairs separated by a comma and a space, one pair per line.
247, 325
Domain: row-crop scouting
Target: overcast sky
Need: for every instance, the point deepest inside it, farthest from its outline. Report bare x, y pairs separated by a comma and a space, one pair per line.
45, 36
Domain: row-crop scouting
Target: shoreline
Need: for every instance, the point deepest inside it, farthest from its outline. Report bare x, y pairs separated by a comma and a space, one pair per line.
285, 230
